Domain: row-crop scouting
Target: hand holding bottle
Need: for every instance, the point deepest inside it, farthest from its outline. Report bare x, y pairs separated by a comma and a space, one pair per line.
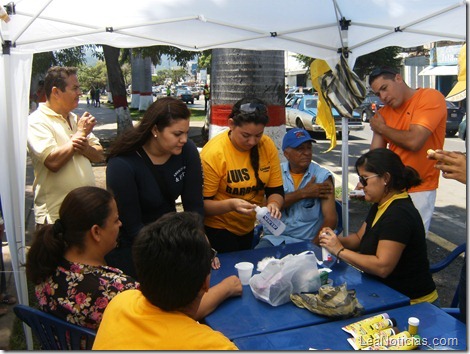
275, 226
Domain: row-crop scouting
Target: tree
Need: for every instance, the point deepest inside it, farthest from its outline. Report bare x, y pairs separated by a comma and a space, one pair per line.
240, 73
66, 57
117, 87
127, 73
204, 61
89, 76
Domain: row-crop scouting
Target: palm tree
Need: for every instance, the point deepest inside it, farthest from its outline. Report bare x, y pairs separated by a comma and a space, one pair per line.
146, 97
117, 87
239, 73
136, 72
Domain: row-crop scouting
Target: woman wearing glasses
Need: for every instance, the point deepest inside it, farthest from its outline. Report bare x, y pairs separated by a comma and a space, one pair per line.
241, 168
391, 243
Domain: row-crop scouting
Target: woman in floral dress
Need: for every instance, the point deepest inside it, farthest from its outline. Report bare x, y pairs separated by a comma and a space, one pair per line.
66, 260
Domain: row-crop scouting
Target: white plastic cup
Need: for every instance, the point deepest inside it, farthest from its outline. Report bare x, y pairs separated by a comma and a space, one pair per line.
244, 271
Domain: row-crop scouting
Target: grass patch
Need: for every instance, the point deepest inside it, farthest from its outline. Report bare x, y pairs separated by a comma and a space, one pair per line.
196, 114
18, 338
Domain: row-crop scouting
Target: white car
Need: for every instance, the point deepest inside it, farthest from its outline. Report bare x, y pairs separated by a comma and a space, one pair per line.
301, 112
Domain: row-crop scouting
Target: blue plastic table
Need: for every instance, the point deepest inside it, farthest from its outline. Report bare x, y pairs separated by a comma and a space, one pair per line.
246, 316
437, 328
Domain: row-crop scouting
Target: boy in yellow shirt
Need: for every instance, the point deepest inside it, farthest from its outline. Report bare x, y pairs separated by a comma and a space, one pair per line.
172, 258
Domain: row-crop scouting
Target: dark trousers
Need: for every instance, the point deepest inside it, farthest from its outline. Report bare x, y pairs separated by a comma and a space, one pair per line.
463, 292
225, 241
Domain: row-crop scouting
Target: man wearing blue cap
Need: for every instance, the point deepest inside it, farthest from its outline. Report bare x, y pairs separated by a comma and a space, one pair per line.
309, 193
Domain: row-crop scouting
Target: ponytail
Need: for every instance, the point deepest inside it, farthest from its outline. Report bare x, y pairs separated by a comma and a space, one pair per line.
45, 254
411, 177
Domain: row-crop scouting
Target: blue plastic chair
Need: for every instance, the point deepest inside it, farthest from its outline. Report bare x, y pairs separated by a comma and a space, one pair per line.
436, 267
54, 333
339, 212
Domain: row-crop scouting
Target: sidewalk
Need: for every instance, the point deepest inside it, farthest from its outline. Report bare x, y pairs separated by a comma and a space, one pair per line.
105, 130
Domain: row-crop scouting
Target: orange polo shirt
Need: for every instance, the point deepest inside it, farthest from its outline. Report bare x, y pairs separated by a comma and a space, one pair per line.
427, 108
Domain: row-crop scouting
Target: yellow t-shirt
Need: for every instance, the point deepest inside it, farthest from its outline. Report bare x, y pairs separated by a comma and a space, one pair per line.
228, 174
130, 322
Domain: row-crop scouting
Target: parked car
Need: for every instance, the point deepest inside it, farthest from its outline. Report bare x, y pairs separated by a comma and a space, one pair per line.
196, 92
301, 112
463, 128
298, 90
181, 87
454, 117
368, 107
185, 95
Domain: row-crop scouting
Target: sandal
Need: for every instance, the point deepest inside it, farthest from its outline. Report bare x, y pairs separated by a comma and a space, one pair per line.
8, 300
3, 310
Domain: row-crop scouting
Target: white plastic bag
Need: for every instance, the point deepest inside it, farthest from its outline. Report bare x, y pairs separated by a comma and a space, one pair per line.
280, 278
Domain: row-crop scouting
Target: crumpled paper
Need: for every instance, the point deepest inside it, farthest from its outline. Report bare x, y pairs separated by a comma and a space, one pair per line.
332, 301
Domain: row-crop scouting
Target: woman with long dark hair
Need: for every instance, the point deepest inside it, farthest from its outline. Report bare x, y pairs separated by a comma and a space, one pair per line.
149, 167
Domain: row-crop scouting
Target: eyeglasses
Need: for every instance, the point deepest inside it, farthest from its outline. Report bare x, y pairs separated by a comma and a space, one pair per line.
382, 70
252, 107
363, 180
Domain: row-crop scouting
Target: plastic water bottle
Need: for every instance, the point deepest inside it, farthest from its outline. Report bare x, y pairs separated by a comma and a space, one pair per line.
275, 226
326, 255
327, 258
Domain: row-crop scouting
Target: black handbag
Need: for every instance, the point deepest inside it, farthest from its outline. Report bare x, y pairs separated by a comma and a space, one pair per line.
342, 88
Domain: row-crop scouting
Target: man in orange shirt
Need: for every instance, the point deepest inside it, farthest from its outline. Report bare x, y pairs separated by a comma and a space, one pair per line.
411, 122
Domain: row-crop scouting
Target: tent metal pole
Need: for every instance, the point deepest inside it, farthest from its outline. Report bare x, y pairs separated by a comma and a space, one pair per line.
344, 173
14, 223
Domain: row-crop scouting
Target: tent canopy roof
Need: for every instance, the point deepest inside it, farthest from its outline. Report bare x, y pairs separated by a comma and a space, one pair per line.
303, 26
442, 70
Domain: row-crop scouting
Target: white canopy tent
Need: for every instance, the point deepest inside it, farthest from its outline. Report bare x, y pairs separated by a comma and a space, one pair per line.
304, 26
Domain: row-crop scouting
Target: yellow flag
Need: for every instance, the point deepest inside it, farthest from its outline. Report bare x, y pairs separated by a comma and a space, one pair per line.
324, 117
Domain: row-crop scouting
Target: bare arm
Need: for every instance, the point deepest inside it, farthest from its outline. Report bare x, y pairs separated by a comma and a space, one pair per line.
378, 141
381, 264
93, 153
328, 209
218, 207
310, 190
274, 205
62, 154
78, 143
351, 242
229, 287
412, 139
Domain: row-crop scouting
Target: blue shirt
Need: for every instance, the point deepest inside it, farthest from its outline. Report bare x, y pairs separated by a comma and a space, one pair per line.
304, 218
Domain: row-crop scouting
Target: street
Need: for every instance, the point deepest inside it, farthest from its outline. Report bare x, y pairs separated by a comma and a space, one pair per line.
450, 216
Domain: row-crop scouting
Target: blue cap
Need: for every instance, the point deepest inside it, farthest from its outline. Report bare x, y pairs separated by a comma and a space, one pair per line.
296, 137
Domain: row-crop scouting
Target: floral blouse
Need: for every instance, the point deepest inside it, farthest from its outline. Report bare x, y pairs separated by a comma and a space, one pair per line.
79, 293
